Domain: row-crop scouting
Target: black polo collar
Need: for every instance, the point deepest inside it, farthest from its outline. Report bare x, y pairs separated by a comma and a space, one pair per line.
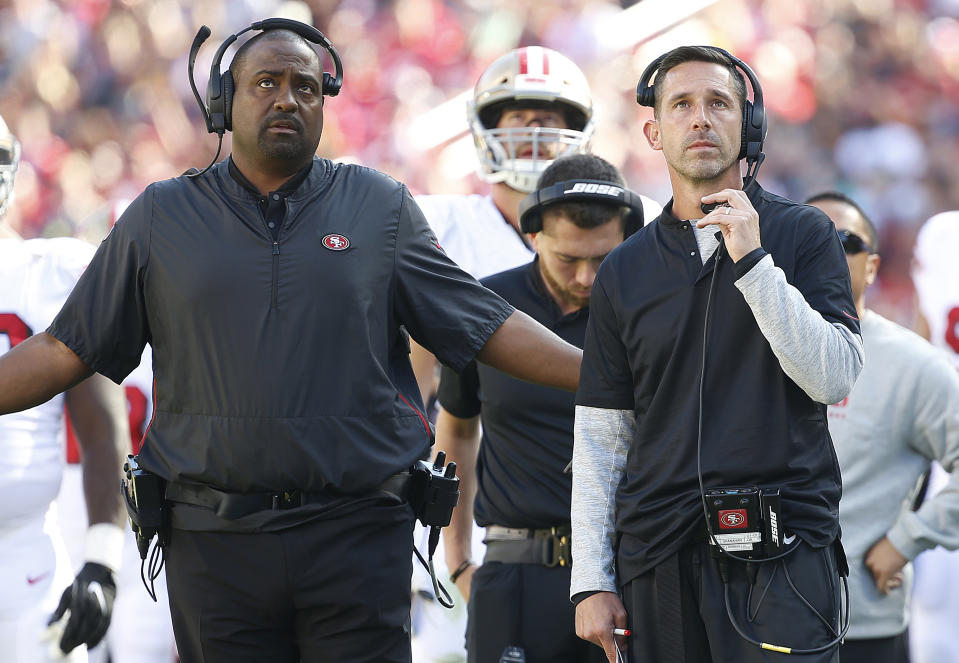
287, 188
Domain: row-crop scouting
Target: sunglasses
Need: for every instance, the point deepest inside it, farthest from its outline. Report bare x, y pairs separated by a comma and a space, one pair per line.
853, 243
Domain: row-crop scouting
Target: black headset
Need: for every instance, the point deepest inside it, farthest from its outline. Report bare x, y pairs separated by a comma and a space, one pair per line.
754, 113
219, 89
581, 191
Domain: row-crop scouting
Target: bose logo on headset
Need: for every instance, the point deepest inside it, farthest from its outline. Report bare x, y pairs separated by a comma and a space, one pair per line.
582, 191
593, 187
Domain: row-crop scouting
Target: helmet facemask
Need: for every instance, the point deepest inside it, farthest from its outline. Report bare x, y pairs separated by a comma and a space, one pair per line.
9, 161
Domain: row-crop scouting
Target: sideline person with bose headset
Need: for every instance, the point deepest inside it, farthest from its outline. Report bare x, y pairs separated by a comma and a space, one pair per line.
277, 290
519, 490
715, 340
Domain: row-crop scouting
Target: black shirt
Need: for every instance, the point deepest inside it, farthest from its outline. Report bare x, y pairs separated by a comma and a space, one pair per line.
643, 352
527, 429
279, 363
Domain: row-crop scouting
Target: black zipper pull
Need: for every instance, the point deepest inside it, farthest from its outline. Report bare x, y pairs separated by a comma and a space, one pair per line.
276, 248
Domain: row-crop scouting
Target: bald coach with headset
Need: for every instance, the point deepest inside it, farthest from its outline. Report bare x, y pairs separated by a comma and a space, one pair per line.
277, 291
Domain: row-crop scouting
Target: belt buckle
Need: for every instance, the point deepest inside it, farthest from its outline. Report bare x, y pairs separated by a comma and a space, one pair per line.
560, 553
287, 500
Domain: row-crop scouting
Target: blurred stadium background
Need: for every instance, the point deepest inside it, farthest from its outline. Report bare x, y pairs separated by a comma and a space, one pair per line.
863, 96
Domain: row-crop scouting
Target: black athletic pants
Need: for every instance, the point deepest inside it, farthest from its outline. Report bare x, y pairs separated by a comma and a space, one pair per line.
525, 605
876, 650
696, 629
333, 590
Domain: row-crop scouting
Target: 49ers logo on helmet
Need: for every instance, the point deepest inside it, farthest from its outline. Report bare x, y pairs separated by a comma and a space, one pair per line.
732, 519
336, 242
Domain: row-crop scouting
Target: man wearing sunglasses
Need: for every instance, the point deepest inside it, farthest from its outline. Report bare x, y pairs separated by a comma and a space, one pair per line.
902, 414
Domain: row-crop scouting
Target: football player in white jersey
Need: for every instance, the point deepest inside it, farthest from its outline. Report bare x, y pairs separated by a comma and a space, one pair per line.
935, 274
529, 107
39, 619
141, 630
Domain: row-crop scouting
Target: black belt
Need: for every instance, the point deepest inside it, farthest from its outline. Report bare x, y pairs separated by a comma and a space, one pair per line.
236, 505
511, 545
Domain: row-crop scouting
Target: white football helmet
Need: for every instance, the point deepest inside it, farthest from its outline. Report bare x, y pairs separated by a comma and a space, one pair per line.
9, 160
531, 77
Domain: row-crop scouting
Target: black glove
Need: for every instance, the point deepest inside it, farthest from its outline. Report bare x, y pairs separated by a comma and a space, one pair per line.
89, 601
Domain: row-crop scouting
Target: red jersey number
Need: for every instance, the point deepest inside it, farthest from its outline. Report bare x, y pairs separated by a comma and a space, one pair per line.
136, 410
952, 329
13, 330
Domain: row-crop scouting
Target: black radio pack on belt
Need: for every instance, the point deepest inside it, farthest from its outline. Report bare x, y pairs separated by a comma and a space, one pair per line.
143, 493
745, 521
434, 492
145, 496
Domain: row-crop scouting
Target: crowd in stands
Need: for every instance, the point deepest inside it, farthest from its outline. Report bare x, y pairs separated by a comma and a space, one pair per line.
863, 95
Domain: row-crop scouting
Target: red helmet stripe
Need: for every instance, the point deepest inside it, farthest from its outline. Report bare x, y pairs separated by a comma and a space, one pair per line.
545, 61
523, 63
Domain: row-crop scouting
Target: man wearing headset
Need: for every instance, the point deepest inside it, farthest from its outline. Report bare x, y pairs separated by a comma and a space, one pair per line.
715, 340
276, 290
902, 415
519, 490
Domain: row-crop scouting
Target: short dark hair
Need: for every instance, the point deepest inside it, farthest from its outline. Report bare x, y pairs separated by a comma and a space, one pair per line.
683, 54
583, 167
278, 34
839, 197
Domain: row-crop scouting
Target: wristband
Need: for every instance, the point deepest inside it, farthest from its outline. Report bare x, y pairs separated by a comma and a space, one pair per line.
104, 545
459, 569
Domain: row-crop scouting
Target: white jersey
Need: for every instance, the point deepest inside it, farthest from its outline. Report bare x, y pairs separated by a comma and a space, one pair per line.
474, 233
935, 273
35, 278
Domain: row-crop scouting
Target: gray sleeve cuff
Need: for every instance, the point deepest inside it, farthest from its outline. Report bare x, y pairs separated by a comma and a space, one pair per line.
601, 439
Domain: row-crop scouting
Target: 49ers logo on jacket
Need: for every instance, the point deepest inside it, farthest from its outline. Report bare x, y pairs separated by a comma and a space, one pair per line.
732, 519
336, 242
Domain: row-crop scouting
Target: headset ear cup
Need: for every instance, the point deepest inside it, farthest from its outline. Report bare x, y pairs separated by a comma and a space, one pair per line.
227, 85
330, 87
645, 96
531, 222
744, 133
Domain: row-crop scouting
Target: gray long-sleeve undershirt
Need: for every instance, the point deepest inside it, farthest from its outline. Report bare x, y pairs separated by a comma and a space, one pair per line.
822, 358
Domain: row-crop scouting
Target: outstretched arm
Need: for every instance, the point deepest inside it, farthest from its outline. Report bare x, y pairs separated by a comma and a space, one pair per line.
525, 349
36, 370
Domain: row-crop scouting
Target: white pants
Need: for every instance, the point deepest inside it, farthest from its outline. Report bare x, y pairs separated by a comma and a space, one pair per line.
34, 571
141, 631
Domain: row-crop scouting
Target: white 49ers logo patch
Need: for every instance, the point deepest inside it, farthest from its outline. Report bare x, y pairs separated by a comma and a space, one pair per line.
336, 242
732, 519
